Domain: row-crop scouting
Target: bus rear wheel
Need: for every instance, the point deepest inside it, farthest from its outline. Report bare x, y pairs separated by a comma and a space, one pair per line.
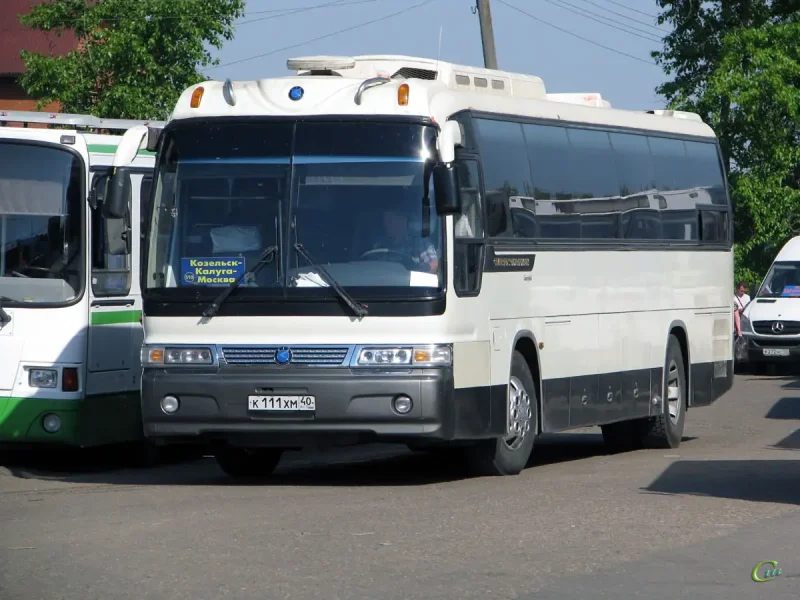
666, 429
509, 455
247, 463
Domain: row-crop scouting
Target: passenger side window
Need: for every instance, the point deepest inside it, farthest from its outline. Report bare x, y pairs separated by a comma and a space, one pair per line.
575, 182
585, 183
111, 246
468, 229
506, 172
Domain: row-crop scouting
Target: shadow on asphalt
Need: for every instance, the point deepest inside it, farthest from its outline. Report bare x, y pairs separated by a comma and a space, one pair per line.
785, 409
360, 466
751, 480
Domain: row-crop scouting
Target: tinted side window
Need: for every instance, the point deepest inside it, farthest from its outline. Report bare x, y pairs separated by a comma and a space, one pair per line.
634, 163
705, 169
548, 151
505, 169
593, 173
575, 182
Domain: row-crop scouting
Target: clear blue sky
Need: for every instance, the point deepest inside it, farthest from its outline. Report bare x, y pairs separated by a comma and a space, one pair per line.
566, 62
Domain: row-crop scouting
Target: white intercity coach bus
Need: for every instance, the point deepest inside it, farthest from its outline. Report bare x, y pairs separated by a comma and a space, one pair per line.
395, 249
70, 331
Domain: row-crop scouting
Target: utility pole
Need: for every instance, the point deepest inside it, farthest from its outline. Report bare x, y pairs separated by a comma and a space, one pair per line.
487, 35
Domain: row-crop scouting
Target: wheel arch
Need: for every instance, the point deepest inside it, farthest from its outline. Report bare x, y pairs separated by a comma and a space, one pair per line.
525, 342
679, 329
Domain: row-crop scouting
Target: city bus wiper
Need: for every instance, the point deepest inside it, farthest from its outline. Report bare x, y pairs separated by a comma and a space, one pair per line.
266, 258
355, 306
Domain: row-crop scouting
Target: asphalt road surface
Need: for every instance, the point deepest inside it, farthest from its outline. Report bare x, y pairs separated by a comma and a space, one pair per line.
384, 523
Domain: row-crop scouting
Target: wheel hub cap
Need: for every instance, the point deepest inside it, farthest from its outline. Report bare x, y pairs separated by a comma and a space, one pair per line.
519, 414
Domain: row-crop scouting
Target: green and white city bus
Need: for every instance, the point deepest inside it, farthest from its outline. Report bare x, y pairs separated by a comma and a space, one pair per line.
70, 326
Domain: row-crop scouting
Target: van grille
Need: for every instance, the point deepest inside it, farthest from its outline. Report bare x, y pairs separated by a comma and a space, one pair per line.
765, 327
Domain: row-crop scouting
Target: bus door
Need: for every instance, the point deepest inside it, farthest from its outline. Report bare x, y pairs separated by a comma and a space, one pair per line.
113, 307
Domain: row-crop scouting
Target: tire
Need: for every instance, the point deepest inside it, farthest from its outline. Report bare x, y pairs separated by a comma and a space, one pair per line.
666, 430
509, 455
247, 463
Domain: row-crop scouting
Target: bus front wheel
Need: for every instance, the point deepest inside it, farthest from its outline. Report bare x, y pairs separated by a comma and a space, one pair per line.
509, 455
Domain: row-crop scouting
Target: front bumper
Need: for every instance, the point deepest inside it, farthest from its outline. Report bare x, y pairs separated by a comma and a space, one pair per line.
772, 349
351, 406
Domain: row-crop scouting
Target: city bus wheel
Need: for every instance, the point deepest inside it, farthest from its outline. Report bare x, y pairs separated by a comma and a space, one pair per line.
509, 455
241, 463
666, 429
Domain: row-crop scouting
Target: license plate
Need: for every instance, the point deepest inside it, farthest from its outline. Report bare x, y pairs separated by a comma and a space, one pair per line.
776, 352
281, 403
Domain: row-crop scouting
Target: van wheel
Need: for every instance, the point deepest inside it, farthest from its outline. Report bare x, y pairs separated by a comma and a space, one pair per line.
509, 455
245, 463
666, 430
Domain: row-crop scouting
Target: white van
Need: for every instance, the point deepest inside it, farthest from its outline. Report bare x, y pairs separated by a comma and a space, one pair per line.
771, 321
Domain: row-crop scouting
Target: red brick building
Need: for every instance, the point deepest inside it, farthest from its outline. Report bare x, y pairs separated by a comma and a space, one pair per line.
13, 39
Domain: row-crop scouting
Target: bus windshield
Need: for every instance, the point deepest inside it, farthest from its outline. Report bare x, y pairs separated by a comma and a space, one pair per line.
356, 197
782, 281
41, 211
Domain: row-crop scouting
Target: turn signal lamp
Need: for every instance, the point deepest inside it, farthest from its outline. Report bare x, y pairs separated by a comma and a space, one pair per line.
69, 380
197, 96
402, 95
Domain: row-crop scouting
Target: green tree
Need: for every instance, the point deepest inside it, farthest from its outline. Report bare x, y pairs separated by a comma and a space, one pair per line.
134, 57
737, 64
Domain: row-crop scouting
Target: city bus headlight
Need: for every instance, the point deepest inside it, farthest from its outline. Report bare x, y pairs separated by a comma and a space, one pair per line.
420, 356
159, 355
42, 378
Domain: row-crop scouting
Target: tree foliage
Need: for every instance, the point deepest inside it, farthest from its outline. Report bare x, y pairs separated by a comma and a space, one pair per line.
737, 64
134, 57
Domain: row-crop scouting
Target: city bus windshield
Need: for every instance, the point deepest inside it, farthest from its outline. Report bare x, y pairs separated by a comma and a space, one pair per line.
782, 281
41, 211
351, 195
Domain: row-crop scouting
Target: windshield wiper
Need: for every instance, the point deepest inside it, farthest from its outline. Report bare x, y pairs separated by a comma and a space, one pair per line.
266, 258
357, 307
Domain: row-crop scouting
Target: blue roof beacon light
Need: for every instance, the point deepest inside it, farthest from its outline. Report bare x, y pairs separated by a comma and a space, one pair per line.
296, 93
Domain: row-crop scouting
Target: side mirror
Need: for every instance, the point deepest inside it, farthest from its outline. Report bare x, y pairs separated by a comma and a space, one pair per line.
118, 193
97, 192
449, 138
117, 237
153, 136
753, 291
129, 146
446, 189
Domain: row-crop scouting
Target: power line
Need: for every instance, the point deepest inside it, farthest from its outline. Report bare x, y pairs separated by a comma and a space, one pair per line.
619, 14
580, 37
294, 11
322, 37
630, 30
633, 9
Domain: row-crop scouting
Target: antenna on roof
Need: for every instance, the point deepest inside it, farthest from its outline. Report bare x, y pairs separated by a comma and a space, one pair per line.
439, 49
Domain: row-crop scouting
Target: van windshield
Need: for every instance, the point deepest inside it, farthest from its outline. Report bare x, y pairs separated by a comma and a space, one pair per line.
782, 281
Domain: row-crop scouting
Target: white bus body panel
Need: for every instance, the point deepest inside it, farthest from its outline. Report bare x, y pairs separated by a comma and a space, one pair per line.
42, 336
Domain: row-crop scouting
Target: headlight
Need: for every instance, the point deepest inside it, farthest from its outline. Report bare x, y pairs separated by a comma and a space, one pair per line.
43, 378
420, 356
160, 355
